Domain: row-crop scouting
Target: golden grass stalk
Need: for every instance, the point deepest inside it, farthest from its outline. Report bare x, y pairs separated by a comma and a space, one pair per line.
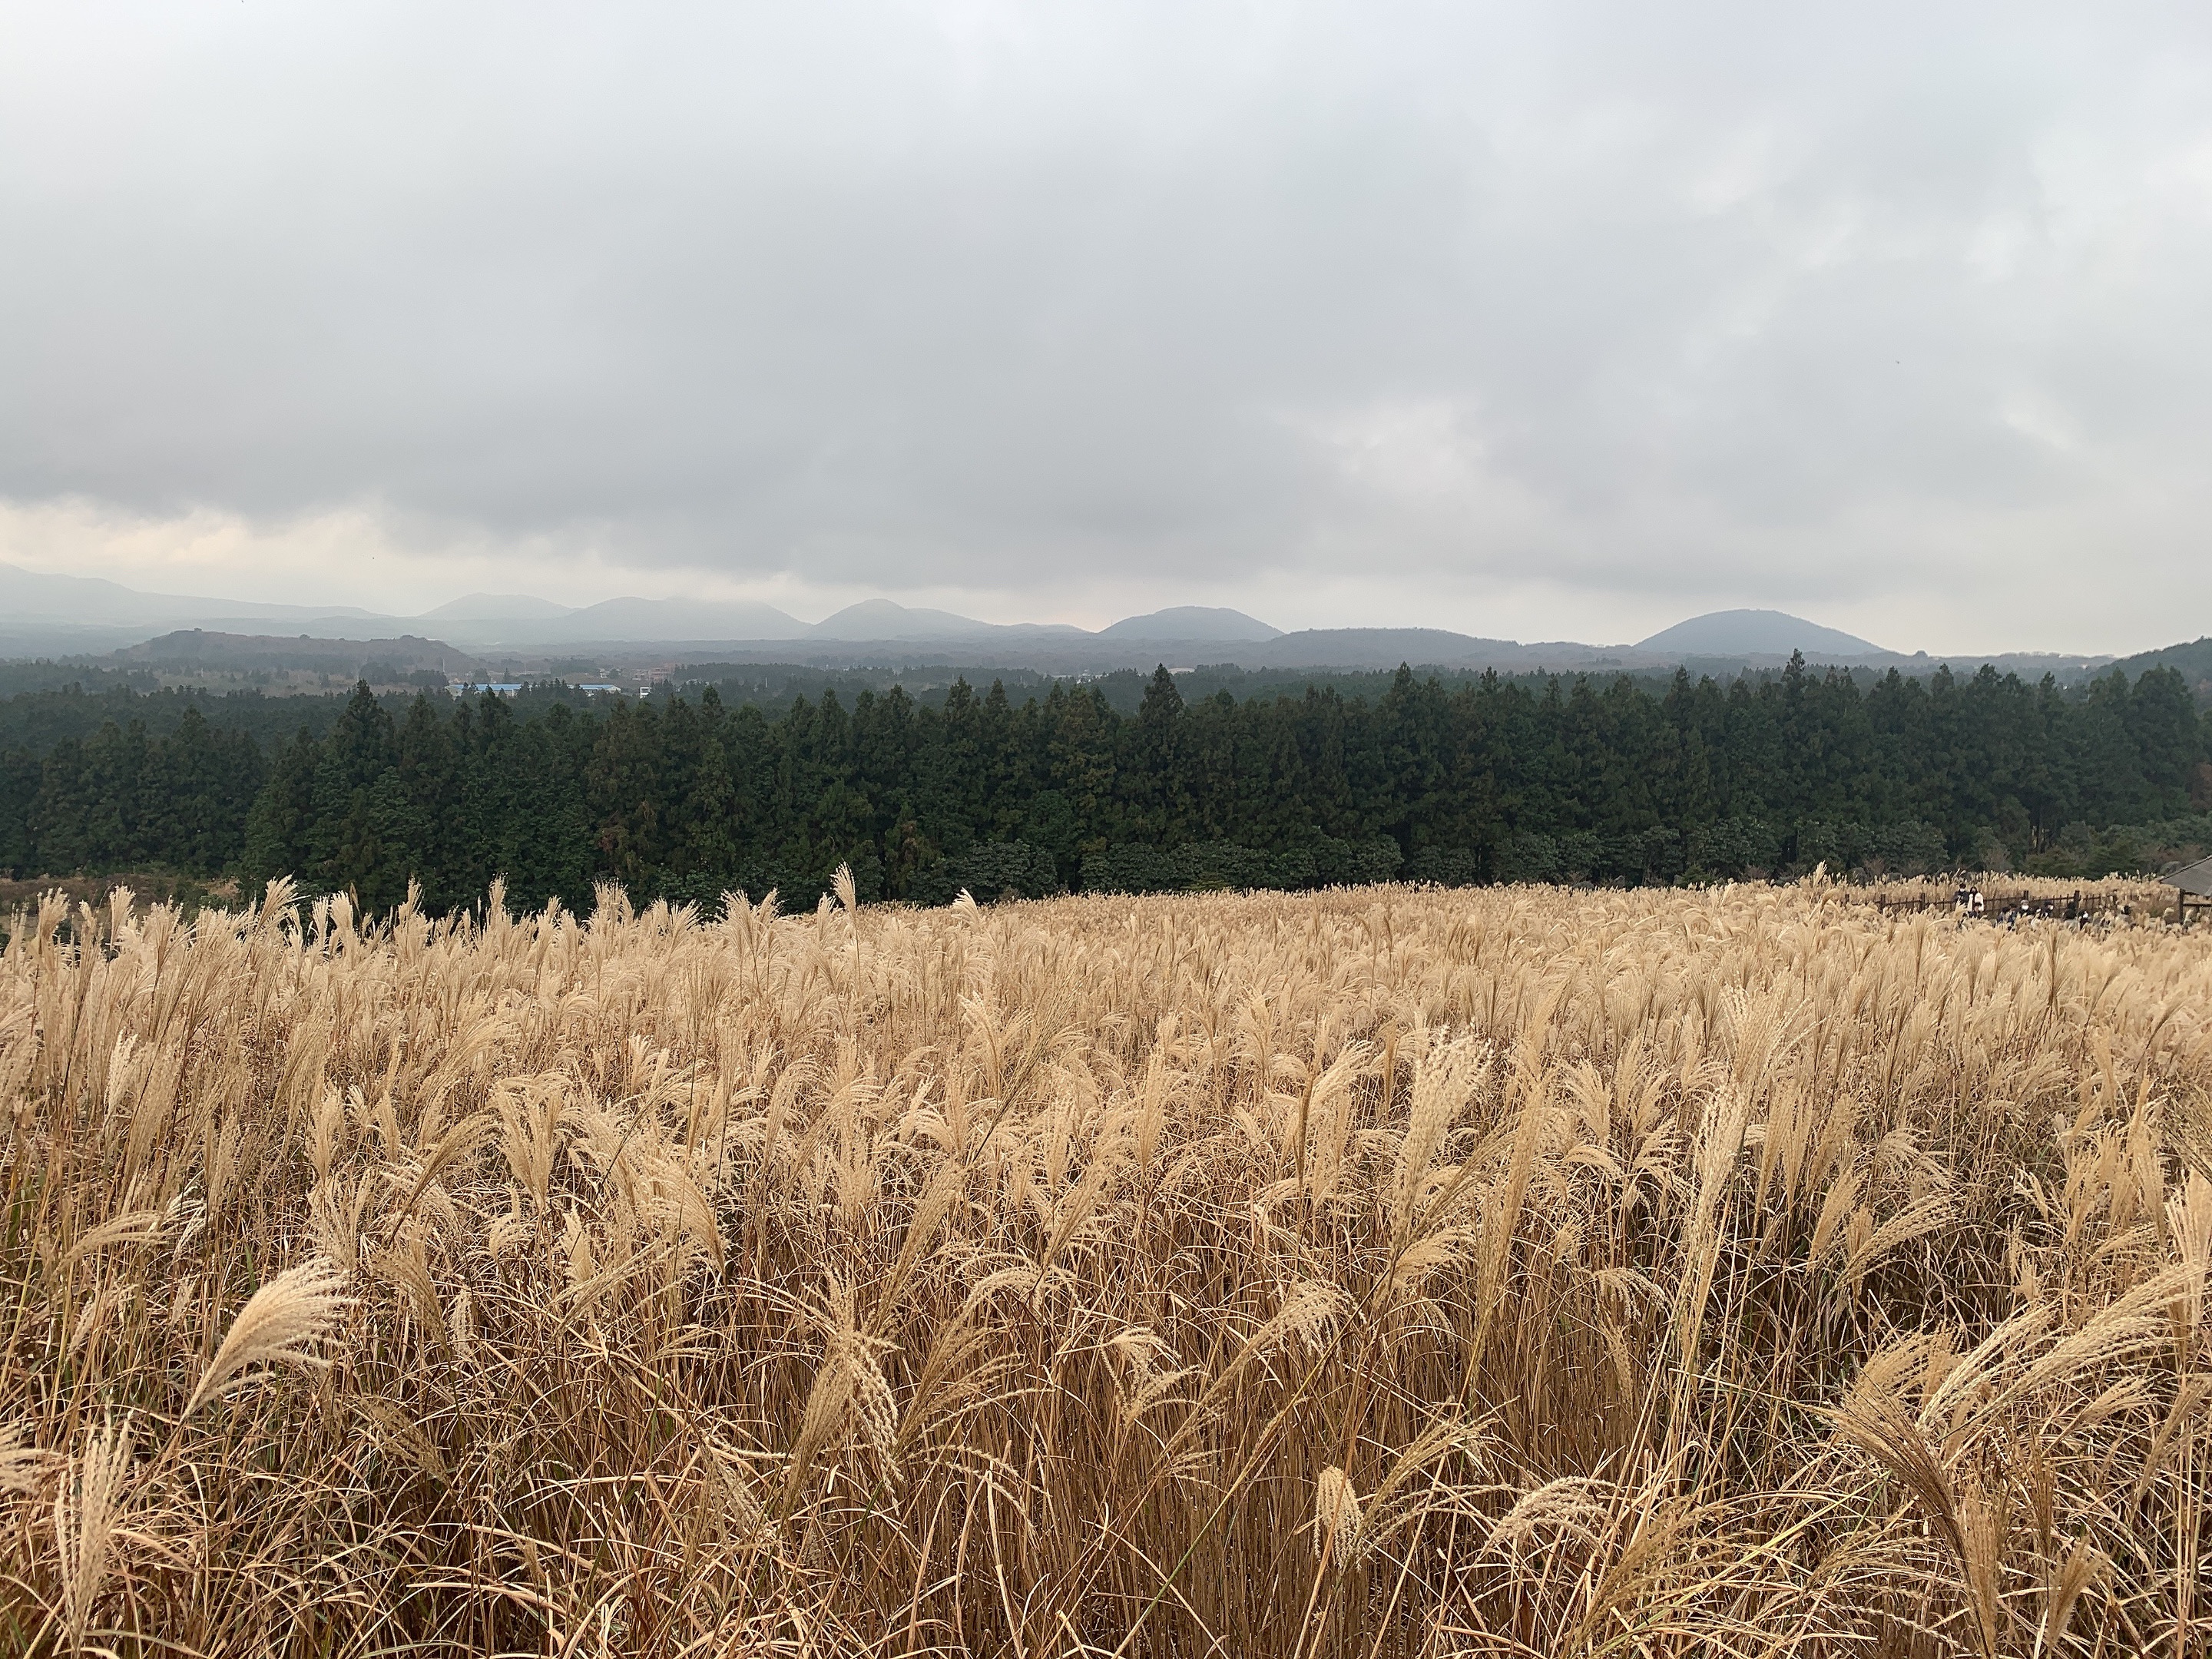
87, 1511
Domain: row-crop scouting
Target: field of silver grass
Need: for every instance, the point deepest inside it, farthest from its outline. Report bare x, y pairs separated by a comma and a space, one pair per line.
1509, 1271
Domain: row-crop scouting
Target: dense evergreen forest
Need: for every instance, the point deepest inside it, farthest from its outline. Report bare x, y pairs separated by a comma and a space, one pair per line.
688, 796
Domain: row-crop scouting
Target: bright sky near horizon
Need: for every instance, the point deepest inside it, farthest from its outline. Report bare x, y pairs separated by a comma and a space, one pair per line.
1542, 321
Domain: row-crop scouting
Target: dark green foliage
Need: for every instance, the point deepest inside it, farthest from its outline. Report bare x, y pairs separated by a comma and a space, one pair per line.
995, 870
2118, 849
42, 674
277, 826
1447, 866
1197, 866
2193, 662
38, 720
687, 797
121, 800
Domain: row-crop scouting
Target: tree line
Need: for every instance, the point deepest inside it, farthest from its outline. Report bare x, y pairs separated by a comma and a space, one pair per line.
685, 797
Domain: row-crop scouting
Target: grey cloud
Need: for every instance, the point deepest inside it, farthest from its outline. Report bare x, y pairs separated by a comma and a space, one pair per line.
1700, 303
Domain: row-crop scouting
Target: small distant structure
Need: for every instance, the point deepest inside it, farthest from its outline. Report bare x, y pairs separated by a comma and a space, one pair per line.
2192, 889
508, 688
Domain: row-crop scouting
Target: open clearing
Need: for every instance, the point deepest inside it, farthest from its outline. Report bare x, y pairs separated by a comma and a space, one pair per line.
1498, 1271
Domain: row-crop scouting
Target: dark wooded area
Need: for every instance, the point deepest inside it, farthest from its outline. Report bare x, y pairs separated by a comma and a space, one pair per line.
686, 796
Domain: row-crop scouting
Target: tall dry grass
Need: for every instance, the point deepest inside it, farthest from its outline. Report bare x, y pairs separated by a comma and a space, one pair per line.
1495, 1272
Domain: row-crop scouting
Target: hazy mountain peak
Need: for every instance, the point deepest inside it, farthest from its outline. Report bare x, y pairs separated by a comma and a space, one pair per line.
1191, 622
887, 619
1756, 633
498, 607
631, 619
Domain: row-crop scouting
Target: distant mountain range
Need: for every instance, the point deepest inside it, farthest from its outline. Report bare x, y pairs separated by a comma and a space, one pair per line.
45, 615
28, 597
42, 612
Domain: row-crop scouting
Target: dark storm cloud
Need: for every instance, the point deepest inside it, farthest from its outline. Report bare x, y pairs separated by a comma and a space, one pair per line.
1658, 307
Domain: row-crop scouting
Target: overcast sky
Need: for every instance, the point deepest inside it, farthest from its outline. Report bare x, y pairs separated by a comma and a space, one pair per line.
1548, 321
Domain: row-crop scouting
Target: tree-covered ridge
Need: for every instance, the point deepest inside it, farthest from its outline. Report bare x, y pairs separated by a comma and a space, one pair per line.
1494, 780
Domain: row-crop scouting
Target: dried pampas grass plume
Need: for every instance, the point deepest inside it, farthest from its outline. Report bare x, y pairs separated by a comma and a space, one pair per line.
1336, 1515
85, 1513
20, 1464
284, 1320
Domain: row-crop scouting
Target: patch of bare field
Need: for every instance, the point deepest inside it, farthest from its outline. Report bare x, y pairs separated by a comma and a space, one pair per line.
1504, 1271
